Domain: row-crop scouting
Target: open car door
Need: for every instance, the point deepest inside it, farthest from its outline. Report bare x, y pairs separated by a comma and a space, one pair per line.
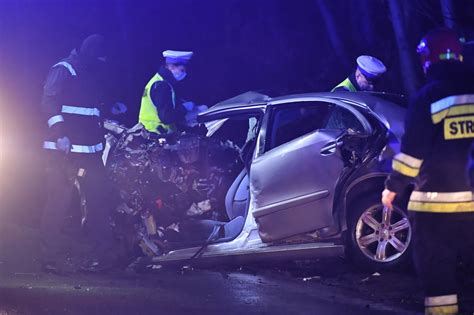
293, 182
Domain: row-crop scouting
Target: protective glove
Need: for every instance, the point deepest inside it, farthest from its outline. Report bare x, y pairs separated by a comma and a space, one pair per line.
63, 144
188, 105
118, 108
191, 116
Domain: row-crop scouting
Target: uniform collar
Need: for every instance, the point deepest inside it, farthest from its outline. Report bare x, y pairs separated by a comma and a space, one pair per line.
167, 75
353, 80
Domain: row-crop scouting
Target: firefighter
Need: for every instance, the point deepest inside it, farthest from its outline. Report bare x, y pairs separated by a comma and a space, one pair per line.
434, 156
72, 107
162, 110
368, 71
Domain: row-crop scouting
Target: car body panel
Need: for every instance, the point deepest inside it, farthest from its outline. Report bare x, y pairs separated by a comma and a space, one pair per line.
248, 247
275, 187
292, 194
293, 185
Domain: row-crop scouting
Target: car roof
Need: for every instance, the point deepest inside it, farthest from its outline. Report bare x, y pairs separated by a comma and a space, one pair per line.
250, 98
388, 107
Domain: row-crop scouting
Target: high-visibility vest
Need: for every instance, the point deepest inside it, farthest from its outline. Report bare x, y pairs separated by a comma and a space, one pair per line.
148, 113
347, 84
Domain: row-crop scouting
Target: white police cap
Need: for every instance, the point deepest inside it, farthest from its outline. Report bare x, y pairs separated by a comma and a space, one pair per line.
175, 56
370, 66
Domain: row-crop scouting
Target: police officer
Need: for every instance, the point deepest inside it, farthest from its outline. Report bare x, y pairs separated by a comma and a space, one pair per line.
434, 155
368, 71
72, 107
162, 110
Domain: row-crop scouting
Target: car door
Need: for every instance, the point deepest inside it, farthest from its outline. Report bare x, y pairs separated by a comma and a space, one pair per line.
293, 180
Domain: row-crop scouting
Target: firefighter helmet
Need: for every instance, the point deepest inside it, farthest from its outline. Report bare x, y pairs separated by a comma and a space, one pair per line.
440, 44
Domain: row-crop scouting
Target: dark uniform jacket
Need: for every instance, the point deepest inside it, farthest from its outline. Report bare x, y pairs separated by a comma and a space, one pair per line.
72, 104
435, 148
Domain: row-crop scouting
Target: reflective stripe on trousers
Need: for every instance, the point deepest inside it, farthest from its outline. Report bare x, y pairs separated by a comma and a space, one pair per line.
50, 145
437, 305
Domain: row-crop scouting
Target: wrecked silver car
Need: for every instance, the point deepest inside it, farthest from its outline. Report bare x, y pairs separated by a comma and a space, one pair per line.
292, 177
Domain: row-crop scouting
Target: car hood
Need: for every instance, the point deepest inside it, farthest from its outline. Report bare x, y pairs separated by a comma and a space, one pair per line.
248, 101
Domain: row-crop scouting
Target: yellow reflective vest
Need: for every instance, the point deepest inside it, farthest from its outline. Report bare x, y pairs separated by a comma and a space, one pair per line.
347, 84
148, 113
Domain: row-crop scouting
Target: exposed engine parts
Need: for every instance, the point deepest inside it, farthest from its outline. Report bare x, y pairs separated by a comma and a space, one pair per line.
164, 181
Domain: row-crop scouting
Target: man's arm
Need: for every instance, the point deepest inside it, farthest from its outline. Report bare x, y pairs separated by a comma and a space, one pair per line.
162, 97
416, 145
50, 103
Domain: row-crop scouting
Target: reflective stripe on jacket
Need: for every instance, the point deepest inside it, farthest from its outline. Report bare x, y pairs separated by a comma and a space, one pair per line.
49, 145
442, 202
435, 148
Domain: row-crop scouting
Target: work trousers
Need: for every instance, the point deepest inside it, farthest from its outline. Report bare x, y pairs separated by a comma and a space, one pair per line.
61, 172
439, 240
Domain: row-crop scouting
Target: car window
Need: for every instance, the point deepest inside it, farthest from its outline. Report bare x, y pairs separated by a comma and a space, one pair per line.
341, 118
296, 120
238, 130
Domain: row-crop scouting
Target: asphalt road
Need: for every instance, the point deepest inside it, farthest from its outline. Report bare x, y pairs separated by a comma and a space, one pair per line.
329, 286
174, 292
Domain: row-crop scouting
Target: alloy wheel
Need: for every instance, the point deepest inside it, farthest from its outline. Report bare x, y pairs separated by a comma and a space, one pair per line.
383, 235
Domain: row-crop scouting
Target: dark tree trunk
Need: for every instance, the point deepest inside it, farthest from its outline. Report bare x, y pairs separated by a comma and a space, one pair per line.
448, 13
363, 10
333, 34
126, 53
404, 48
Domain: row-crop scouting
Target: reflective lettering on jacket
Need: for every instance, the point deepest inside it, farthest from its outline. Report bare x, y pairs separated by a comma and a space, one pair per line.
457, 114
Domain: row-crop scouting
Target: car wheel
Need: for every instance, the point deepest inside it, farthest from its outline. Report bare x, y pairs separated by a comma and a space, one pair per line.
380, 238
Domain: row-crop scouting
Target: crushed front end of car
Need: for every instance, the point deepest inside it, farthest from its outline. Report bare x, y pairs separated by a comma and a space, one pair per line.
166, 182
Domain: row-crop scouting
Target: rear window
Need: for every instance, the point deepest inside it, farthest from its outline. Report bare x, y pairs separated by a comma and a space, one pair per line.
342, 119
292, 122
299, 119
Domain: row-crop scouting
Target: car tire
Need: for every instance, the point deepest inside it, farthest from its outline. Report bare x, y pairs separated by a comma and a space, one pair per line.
378, 238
